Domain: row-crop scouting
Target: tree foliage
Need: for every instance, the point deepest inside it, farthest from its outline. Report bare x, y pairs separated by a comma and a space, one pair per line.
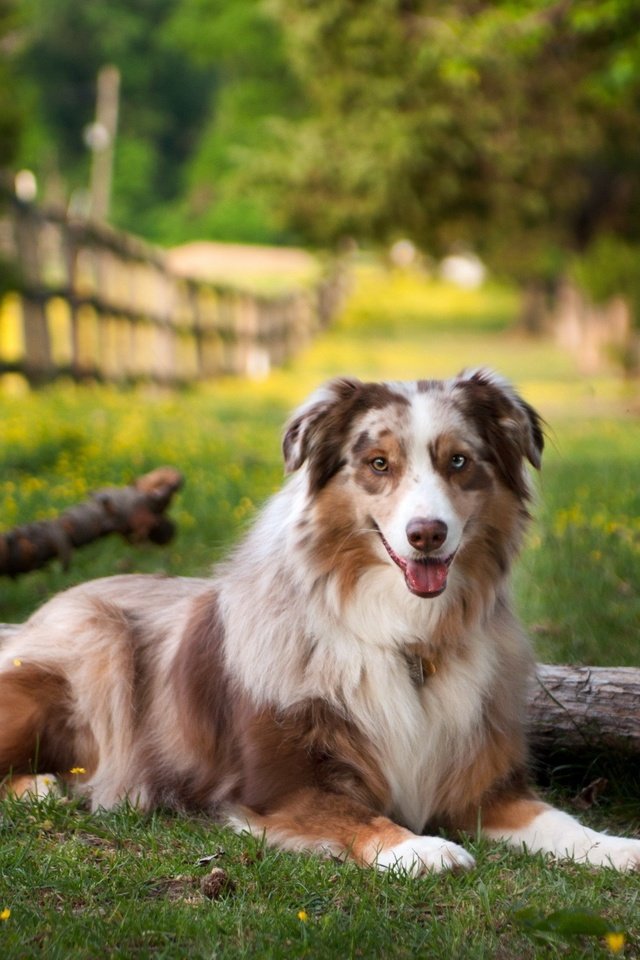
11, 119
223, 197
510, 126
164, 98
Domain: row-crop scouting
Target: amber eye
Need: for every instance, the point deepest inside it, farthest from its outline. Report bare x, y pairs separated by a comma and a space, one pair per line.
458, 461
379, 464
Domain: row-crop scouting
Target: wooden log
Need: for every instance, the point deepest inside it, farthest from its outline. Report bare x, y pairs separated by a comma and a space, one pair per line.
136, 512
585, 709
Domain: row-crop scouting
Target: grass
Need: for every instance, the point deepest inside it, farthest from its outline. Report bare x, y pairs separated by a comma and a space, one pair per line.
578, 581
124, 885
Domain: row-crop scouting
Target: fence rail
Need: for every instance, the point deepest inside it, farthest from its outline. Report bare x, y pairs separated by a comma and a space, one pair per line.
96, 303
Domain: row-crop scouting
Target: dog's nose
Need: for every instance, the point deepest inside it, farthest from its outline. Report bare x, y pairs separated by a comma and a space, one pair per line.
425, 534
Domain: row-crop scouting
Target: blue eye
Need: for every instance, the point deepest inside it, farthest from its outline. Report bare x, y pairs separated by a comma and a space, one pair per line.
379, 464
458, 461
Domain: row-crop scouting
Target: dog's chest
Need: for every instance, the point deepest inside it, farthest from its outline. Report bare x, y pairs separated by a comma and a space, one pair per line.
422, 724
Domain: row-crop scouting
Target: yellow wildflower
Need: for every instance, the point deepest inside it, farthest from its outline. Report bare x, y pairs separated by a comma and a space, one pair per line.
5, 914
76, 770
615, 942
303, 915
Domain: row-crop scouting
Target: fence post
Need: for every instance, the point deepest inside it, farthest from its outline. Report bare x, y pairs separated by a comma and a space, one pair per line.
37, 342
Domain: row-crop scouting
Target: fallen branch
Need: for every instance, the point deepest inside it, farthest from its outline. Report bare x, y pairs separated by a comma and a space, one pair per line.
585, 709
136, 512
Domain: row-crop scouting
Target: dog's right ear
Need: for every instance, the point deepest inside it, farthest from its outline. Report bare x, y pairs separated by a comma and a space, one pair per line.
305, 423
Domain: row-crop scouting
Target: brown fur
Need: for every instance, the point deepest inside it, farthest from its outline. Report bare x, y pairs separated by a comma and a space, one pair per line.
330, 821
36, 721
337, 548
326, 435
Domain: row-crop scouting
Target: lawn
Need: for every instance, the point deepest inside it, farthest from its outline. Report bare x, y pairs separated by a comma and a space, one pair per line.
123, 885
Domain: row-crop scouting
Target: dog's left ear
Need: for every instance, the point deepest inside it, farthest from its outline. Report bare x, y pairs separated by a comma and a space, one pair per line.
308, 421
511, 427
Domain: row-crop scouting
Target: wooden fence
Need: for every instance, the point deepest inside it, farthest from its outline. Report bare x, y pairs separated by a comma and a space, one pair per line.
96, 303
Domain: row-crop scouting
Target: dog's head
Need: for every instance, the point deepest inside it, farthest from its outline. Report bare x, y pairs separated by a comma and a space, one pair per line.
420, 468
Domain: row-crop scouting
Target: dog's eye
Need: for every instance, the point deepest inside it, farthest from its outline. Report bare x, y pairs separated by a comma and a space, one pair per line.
458, 461
379, 464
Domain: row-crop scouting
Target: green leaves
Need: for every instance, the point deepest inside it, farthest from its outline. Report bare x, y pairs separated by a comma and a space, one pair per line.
564, 924
485, 124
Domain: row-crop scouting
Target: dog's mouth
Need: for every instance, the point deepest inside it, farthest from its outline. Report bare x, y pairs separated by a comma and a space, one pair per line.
424, 576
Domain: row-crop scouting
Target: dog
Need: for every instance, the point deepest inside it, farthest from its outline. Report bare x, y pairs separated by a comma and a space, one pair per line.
352, 680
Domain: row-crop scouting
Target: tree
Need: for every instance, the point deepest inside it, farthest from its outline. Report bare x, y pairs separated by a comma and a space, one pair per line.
11, 117
199, 78
511, 126
223, 196
10, 114
164, 97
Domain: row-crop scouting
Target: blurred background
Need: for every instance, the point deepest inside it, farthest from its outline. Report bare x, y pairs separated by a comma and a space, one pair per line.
207, 206
508, 129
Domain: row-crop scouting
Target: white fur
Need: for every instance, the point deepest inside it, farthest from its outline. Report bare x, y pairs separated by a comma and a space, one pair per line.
561, 835
425, 492
420, 855
414, 856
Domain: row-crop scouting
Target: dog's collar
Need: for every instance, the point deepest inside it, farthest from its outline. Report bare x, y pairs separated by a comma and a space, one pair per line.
420, 668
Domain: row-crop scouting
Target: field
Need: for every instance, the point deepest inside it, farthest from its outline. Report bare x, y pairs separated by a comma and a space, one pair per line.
123, 885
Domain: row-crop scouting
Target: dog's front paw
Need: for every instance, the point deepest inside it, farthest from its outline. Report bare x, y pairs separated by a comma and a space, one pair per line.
420, 855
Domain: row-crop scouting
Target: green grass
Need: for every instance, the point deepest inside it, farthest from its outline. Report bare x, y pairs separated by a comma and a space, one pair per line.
122, 885
128, 886
578, 583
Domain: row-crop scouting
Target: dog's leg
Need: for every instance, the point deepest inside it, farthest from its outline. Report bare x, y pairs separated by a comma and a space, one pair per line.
28, 694
536, 827
337, 826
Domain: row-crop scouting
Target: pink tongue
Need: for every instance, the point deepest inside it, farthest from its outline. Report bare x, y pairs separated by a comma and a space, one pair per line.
426, 578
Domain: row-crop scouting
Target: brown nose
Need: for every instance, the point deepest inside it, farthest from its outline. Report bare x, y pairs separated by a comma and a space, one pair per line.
426, 535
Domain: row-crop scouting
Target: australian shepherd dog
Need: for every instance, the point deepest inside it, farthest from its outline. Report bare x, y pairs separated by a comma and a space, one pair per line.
352, 680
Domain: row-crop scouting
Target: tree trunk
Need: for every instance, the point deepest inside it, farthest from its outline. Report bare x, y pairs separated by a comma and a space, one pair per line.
534, 307
585, 709
135, 512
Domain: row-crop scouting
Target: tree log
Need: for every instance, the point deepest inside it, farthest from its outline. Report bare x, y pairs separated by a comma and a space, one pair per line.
585, 709
136, 512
